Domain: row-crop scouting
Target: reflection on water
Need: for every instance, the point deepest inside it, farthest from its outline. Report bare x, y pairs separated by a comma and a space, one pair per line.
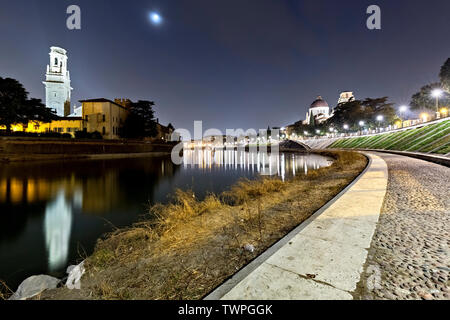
50, 213
285, 164
58, 223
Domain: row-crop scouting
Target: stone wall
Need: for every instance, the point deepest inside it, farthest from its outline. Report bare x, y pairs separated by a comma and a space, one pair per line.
75, 147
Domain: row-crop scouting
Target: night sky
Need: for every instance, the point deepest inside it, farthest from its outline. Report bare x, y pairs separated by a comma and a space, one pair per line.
231, 63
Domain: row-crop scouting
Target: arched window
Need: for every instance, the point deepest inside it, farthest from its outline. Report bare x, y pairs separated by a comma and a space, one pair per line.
56, 61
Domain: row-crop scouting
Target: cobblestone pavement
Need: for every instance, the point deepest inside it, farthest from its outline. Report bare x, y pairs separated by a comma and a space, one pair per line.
409, 257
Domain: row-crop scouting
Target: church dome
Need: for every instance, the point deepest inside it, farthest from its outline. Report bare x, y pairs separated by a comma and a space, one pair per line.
319, 103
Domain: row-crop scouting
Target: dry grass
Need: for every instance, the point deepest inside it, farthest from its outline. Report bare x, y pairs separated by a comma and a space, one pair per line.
187, 248
5, 291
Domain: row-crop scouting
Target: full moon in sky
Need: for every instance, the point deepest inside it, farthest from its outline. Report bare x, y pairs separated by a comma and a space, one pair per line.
155, 18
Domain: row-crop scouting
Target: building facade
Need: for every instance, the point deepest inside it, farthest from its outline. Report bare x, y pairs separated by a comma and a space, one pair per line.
105, 116
94, 115
318, 112
346, 96
57, 82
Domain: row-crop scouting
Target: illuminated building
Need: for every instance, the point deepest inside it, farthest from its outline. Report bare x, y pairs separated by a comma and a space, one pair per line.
57, 82
319, 111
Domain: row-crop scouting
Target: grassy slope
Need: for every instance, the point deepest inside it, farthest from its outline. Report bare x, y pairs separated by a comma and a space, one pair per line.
433, 138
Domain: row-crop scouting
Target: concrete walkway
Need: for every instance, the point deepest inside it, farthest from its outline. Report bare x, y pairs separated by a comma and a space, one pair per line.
323, 260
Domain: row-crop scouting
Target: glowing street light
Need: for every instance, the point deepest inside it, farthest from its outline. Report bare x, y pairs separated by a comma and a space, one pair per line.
346, 127
444, 111
403, 109
437, 93
380, 118
424, 117
361, 123
305, 133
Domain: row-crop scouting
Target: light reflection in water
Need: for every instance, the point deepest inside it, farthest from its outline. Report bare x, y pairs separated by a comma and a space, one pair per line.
282, 165
57, 226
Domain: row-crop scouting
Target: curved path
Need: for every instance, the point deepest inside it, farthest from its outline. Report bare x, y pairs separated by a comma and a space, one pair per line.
324, 257
409, 257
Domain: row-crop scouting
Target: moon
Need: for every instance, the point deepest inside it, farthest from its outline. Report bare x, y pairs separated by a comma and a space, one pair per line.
155, 18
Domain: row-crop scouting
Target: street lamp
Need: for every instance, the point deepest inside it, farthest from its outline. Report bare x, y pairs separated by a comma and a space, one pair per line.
437, 93
379, 119
403, 109
424, 117
361, 124
346, 127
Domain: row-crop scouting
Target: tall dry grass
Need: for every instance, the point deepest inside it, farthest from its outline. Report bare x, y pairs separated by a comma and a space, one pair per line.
184, 249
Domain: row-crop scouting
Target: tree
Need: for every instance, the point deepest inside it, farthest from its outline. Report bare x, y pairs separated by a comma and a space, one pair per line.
349, 113
378, 107
140, 122
352, 112
424, 101
444, 75
16, 108
312, 120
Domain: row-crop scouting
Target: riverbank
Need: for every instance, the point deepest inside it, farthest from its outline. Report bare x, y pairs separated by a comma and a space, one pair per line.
45, 149
193, 246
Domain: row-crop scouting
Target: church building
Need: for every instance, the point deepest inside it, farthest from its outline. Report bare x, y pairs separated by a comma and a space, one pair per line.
57, 83
318, 112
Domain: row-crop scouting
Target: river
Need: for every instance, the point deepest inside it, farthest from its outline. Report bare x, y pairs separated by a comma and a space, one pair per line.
52, 213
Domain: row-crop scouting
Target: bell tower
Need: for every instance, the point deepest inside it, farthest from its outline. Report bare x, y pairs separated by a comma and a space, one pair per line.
57, 82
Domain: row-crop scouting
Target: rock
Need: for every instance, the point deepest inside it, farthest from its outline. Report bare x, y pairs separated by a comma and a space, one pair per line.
249, 247
33, 286
75, 274
425, 295
70, 268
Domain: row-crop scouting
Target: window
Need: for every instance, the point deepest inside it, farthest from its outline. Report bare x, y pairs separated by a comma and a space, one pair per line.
87, 118
56, 61
104, 118
104, 130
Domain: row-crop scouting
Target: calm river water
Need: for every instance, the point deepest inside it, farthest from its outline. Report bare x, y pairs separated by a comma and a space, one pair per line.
53, 213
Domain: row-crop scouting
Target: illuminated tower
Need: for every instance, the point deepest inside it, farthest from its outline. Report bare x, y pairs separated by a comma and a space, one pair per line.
57, 83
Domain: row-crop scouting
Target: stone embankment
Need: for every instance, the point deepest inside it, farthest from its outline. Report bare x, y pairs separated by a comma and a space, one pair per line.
24, 149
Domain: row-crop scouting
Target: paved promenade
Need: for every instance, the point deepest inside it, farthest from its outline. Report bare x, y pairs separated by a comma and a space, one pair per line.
409, 257
325, 258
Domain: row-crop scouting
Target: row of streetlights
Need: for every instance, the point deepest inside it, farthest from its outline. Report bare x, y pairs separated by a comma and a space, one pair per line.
436, 93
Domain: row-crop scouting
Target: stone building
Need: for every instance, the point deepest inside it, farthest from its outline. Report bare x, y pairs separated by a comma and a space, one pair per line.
105, 116
346, 96
94, 115
57, 82
319, 111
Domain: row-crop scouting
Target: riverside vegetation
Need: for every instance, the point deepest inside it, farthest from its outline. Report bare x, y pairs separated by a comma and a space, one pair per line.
185, 249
